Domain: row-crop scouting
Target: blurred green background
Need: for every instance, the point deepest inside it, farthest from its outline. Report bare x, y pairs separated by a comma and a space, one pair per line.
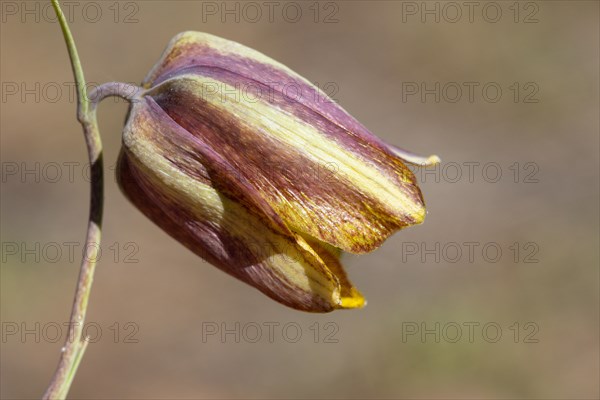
528, 318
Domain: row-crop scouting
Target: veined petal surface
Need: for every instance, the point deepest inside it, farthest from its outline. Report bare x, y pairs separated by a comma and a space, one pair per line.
319, 170
173, 178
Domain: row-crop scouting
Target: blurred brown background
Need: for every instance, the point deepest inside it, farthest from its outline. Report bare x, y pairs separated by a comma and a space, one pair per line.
528, 318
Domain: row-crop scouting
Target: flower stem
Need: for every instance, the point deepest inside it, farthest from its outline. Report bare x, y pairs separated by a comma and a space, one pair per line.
125, 91
75, 344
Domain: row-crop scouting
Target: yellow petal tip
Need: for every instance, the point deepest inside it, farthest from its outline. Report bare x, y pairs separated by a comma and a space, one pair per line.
432, 160
353, 300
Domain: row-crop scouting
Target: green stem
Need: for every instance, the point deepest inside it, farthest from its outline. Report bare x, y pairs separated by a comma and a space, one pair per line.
82, 99
75, 345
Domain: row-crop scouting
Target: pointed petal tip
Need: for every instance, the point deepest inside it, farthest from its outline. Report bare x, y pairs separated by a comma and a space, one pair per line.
432, 160
415, 159
419, 215
352, 300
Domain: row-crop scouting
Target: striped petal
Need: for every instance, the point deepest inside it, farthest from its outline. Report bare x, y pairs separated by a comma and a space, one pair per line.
190, 191
318, 169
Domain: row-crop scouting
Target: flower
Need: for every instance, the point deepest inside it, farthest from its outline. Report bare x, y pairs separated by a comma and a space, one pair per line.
257, 171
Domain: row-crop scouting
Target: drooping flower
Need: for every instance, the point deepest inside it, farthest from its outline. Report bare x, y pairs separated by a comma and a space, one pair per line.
259, 172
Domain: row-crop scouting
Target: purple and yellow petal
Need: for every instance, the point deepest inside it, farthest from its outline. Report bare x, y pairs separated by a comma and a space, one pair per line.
236, 236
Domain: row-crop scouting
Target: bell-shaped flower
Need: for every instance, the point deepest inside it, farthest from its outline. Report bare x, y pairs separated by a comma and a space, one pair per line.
260, 173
